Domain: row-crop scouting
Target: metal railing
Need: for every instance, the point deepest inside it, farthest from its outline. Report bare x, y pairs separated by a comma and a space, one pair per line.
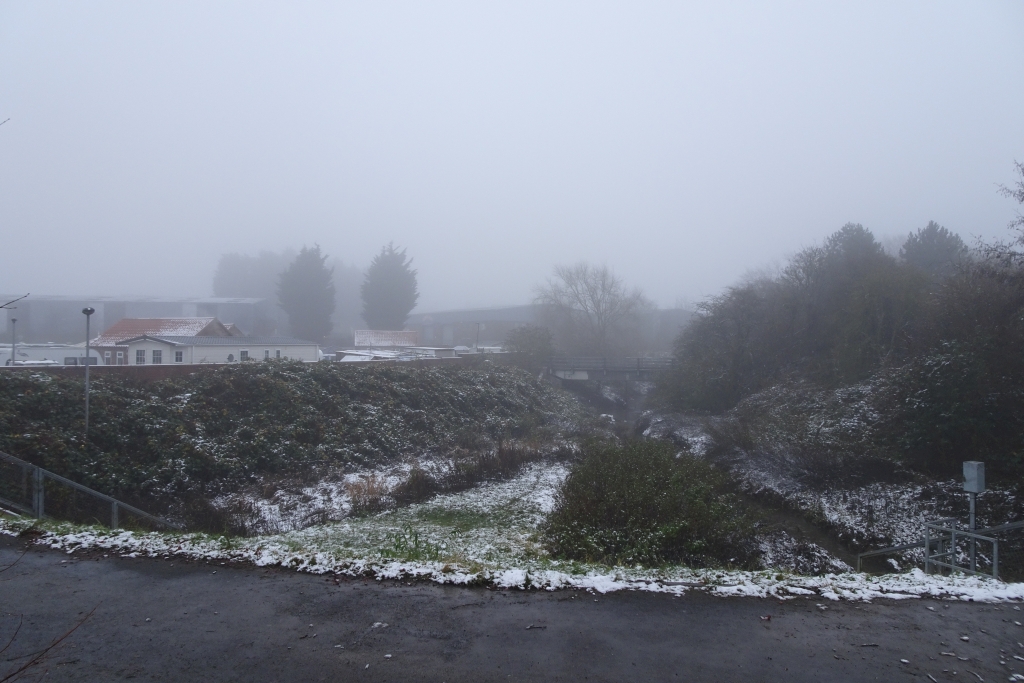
945, 534
944, 545
23, 487
610, 365
886, 551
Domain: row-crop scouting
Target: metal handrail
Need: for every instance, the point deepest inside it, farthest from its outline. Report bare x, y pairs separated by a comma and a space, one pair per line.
947, 532
38, 508
1002, 527
886, 551
946, 538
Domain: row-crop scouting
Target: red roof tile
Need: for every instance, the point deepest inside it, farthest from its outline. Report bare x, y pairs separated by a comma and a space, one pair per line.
129, 328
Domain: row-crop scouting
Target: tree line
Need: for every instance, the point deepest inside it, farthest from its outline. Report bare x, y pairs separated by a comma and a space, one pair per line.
308, 287
936, 329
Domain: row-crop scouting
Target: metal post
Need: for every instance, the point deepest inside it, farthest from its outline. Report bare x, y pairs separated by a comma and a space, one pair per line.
113, 515
38, 508
995, 559
952, 547
88, 311
14, 342
974, 541
927, 551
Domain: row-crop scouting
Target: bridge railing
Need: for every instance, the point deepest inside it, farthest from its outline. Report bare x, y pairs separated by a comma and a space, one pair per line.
612, 365
34, 491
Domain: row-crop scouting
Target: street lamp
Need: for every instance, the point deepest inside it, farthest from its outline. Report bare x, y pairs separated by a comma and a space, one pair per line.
88, 311
14, 342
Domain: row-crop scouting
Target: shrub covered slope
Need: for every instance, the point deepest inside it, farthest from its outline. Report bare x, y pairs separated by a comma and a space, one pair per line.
913, 358
217, 429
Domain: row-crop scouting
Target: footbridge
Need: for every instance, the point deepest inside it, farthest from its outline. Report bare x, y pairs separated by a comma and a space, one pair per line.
583, 368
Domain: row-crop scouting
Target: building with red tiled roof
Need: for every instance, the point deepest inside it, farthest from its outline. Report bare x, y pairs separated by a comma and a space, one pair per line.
111, 344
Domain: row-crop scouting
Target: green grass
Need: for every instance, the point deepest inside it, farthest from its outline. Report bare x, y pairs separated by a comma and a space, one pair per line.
457, 520
644, 504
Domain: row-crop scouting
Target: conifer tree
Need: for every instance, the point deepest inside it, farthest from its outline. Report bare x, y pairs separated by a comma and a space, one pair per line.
306, 293
389, 290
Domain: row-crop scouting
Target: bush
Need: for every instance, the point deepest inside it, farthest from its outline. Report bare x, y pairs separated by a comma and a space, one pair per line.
643, 504
825, 437
849, 358
533, 344
221, 428
834, 315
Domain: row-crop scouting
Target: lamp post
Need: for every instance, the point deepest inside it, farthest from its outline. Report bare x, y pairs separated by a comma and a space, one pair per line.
88, 311
14, 342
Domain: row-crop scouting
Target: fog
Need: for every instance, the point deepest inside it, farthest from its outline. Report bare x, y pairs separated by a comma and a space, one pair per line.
680, 145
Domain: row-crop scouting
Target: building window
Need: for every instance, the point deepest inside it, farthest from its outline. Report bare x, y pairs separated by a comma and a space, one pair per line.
277, 354
120, 357
140, 357
243, 354
266, 354
179, 356
158, 356
106, 357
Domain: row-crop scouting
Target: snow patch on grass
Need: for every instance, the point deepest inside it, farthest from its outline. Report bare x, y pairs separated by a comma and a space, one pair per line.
488, 536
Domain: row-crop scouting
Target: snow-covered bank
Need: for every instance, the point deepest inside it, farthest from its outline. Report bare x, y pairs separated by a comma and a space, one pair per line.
488, 536
861, 515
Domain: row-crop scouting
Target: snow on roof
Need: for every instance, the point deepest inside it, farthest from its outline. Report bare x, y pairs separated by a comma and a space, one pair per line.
129, 328
184, 340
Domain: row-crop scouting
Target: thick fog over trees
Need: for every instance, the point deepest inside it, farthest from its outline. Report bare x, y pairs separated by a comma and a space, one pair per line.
389, 291
679, 144
927, 345
592, 312
306, 293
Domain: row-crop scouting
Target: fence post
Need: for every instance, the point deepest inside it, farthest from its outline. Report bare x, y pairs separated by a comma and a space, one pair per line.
37, 493
113, 515
995, 559
974, 541
927, 551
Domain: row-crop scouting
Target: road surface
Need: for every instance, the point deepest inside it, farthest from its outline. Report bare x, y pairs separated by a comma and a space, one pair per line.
173, 620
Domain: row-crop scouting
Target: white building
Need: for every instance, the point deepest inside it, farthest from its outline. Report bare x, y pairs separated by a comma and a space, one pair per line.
173, 350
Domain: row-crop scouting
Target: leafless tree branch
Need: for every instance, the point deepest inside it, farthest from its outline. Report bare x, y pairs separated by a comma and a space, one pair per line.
14, 301
20, 671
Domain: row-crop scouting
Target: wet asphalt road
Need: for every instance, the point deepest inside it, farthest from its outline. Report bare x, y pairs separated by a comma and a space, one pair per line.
173, 620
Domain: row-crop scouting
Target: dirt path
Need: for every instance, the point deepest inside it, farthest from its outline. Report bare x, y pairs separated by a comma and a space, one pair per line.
172, 620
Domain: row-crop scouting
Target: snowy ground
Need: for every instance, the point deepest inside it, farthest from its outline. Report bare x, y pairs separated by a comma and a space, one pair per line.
488, 535
870, 516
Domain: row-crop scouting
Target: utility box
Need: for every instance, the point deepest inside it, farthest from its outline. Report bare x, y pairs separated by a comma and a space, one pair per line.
974, 476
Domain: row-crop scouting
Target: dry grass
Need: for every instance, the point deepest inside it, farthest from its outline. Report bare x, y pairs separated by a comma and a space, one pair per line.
370, 495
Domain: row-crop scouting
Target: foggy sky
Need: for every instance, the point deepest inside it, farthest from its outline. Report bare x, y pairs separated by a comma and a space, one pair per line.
680, 144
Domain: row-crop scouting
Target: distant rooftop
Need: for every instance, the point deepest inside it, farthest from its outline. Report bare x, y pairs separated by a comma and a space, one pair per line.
223, 341
129, 328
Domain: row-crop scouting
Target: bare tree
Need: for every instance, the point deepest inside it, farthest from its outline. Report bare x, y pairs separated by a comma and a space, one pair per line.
592, 311
1016, 192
